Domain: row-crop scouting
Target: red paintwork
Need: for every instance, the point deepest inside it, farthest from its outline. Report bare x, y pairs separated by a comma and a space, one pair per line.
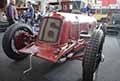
69, 38
19, 41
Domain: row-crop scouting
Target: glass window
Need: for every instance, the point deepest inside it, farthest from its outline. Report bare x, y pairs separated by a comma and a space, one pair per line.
76, 4
50, 30
79, 6
82, 5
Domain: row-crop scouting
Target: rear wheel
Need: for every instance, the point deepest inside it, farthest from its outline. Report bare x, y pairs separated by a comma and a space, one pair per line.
15, 38
93, 56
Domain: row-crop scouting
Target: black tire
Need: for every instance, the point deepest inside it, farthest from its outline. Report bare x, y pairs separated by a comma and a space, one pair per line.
8, 44
92, 55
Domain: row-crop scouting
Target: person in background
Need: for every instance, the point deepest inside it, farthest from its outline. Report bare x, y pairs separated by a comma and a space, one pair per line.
88, 8
29, 13
38, 16
11, 12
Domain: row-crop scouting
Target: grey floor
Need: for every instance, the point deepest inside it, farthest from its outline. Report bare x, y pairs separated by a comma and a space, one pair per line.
70, 71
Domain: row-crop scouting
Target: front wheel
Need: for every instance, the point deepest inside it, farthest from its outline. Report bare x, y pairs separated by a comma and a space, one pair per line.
16, 38
92, 56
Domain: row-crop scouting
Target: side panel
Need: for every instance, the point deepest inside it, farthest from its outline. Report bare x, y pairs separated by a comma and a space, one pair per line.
64, 33
74, 31
84, 27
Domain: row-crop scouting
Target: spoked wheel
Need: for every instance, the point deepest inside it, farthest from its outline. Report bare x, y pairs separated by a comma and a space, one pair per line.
92, 56
21, 38
15, 38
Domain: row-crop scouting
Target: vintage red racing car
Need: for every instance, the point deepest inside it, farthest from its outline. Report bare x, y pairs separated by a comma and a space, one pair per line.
62, 37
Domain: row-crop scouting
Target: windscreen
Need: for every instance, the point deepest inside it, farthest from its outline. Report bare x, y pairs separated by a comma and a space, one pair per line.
50, 30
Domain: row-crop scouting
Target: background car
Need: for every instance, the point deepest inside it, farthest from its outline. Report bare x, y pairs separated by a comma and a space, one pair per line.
113, 25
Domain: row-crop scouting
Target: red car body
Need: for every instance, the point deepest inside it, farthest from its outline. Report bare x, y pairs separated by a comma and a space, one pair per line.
59, 35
